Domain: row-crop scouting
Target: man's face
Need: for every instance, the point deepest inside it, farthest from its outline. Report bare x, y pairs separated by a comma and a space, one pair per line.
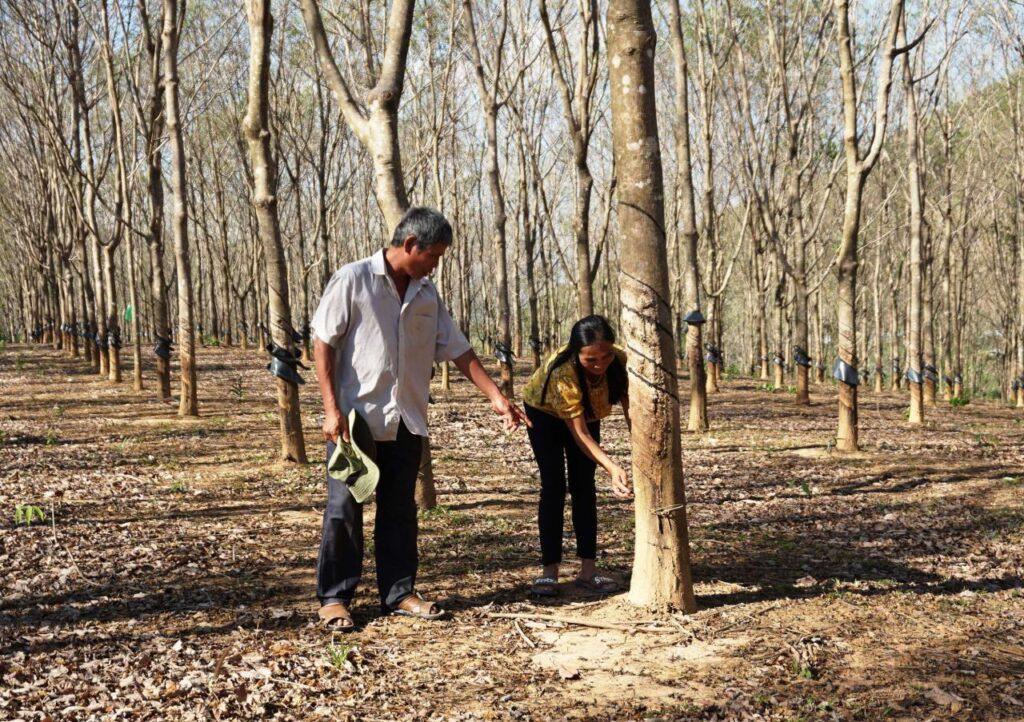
421, 262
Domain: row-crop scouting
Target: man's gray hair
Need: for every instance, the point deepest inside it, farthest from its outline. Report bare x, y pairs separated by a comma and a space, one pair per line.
427, 224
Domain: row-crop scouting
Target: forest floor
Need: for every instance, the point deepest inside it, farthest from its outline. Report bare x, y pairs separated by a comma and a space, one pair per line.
173, 574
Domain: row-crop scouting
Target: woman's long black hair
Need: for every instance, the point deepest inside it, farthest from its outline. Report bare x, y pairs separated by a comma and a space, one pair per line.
586, 331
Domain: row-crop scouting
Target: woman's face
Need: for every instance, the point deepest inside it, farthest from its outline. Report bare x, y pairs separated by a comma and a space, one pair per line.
596, 357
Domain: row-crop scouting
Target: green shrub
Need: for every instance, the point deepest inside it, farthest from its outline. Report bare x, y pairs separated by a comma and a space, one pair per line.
338, 655
27, 513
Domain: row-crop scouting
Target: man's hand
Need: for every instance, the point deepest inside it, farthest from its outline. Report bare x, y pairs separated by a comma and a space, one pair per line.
511, 414
620, 482
335, 425
473, 370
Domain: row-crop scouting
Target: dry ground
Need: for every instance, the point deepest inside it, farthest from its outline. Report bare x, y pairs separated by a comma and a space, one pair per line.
172, 577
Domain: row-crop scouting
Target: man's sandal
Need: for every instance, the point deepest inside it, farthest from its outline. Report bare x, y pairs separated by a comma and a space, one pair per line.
597, 583
544, 587
416, 606
336, 617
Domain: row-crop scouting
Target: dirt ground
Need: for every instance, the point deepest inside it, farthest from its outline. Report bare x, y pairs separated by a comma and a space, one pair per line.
172, 575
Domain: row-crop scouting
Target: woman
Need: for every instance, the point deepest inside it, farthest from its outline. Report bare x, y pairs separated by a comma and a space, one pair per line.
565, 400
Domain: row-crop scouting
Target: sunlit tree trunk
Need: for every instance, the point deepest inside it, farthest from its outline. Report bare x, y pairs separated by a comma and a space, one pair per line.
256, 128
688, 227
489, 101
857, 171
661, 569
376, 128
188, 404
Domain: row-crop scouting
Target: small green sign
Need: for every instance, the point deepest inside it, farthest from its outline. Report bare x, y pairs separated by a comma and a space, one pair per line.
129, 312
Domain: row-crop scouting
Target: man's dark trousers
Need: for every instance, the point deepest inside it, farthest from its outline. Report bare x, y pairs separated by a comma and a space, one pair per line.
340, 564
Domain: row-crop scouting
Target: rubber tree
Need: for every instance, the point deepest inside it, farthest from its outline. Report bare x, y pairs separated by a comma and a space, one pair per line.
661, 566
188, 404
151, 119
915, 341
491, 103
858, 168
375, 125
122, 220
698, 420
256, 128
577, 107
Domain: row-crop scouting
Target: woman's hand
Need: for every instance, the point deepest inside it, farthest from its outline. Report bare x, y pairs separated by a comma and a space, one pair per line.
620, 482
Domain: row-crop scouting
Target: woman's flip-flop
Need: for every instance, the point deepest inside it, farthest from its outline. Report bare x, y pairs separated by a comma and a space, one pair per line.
598, 583
544, 587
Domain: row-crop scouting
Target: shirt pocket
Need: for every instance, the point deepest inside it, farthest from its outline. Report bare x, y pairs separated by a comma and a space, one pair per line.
421, 333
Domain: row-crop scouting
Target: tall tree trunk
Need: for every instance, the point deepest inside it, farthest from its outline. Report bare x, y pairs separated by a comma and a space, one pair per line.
113, 322
661, 569
489, 101
857, 171
256, 128
377, 130
188, 404
688, 221
915, 343
931, 377
876, 307
576, 107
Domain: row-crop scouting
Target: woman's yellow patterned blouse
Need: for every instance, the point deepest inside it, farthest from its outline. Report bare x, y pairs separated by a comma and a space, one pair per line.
565, 398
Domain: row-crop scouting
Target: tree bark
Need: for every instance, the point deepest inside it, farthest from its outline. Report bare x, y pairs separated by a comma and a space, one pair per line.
256, 128
698, 420
857, 171
915, 347
661, 569
489, 101
188, 404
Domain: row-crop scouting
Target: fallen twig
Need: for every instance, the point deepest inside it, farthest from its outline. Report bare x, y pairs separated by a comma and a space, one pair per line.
748, 618
524, 635
580, 622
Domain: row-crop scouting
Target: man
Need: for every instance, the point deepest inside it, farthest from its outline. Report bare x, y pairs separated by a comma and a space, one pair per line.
377, 331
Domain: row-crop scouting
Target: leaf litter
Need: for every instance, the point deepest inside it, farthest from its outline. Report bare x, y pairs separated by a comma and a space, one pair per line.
173, 575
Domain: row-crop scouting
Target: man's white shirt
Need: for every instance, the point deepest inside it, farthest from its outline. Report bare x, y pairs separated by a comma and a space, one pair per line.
384, 347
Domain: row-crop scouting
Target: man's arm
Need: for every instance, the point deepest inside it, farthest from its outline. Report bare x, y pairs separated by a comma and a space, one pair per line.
334, 423
472, 369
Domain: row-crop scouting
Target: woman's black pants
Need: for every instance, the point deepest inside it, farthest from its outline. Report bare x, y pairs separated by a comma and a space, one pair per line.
555, 449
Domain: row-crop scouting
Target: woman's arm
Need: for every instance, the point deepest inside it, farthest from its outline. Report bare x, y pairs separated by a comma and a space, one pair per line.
620, 481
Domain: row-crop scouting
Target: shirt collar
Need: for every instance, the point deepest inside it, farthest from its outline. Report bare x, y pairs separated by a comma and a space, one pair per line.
377, 263
379, 268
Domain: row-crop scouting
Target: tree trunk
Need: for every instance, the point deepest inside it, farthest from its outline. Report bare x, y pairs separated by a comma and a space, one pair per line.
915, 348
846, 318
377, 131
490, 109
113, 322
256, 129
698, 420
661, 569
857, 171
188, 404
